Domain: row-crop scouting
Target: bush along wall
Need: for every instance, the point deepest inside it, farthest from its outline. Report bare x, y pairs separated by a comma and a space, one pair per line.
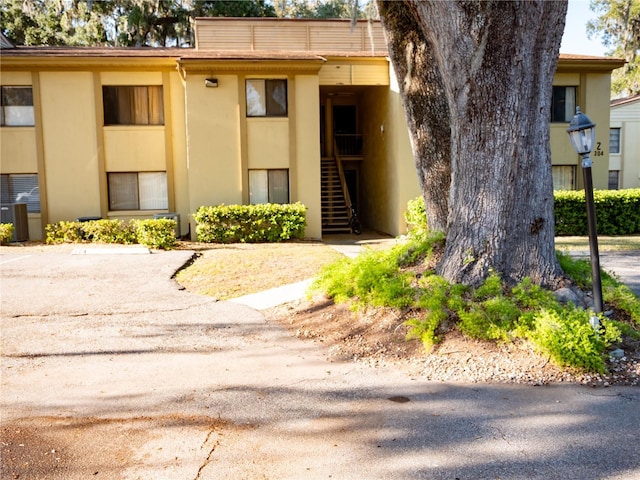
157, 233
268, 222
617, 212
6, 233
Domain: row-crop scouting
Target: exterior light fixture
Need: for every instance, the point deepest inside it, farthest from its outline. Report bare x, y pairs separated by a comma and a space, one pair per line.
582, 133
211, 82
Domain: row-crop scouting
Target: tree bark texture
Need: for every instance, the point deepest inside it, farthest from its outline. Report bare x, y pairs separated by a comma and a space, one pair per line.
496, 60
425, 105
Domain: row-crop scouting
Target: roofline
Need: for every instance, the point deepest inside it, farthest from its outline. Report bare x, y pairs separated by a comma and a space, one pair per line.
623, 101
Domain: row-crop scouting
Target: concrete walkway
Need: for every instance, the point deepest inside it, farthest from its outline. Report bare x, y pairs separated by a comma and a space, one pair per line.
110, 371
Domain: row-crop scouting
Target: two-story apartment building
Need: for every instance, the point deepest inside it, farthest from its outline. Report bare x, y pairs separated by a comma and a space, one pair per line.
261, 110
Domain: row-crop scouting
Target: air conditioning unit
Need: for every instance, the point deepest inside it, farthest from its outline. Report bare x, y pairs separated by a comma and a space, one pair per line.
171, 216
16, 213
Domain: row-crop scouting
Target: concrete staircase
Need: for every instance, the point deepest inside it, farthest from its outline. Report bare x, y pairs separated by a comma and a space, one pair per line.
335, 216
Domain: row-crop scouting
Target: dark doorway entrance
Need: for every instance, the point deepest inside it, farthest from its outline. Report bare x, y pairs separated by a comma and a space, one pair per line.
344, 120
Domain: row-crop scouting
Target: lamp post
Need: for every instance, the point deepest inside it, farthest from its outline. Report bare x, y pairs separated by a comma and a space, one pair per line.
582, 133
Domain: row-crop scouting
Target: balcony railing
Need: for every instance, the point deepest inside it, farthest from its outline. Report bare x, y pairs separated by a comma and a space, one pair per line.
349, 145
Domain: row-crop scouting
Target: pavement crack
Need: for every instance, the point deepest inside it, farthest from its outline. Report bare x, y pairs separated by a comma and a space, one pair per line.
207, 460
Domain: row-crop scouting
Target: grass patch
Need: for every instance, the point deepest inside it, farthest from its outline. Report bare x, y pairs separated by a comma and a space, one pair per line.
605, 244
233, 270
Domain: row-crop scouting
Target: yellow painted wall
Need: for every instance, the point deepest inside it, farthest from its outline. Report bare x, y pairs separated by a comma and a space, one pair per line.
268, 142
596, 106
388, 172
179, 151
306, 171
18, 150
69, 138
213, 141
134, 148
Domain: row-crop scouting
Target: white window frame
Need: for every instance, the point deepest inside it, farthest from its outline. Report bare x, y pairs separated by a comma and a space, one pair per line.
21, 188
16, 110
264, 186
619, 131
137, 191
133, 104
559, 173
267, 97
569, 107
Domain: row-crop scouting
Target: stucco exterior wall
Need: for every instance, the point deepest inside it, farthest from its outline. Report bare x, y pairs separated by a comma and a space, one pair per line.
595, 103
213, 141
626, 117
389, 169
69, 140
304, 173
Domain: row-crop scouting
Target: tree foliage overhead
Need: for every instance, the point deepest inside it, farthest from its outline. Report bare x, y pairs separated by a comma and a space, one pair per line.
618, 27
153, 23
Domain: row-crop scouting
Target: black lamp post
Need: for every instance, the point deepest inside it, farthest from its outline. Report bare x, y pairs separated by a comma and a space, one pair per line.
582, 133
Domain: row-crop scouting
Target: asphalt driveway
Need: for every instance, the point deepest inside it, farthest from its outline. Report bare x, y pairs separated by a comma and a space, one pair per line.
110, 371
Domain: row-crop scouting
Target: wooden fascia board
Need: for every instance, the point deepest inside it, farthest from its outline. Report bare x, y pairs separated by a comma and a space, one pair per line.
51, 63
230, 66
587, 66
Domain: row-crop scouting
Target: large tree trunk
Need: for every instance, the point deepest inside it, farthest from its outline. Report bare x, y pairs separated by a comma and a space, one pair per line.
496, 60
425, 105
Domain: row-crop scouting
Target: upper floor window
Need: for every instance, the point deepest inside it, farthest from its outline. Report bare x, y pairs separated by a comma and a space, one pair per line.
21, 188
133, 105
563, 104
266, 98
614, 140
137, 191
17, 107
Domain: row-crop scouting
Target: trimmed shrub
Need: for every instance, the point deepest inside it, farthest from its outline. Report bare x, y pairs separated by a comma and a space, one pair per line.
268, 222
158, 233
6, 233
617, 212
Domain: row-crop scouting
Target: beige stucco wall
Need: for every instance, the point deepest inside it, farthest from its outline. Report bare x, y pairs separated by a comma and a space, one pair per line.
214, 170
626, 117
268, 142
388, 173
176, 132
595, 104
305, 170
134, 148
69, 140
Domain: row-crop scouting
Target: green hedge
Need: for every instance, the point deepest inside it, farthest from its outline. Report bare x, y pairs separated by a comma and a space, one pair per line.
6, 233
268, 222
617, 212
157, 233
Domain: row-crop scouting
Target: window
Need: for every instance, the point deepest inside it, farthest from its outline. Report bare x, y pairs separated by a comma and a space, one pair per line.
138, 191
268, 186
563, 104
133, 105
564, 177
17, 107
614, 179
21, 188
266, 98
614, 140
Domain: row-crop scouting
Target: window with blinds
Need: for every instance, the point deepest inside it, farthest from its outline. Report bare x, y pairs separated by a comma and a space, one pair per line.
133, 105
21, 188
268, 186
16, 107
266, 98
614, 140
137, 191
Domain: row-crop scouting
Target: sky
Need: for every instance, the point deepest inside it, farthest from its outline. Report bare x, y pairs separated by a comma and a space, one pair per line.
575, 38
